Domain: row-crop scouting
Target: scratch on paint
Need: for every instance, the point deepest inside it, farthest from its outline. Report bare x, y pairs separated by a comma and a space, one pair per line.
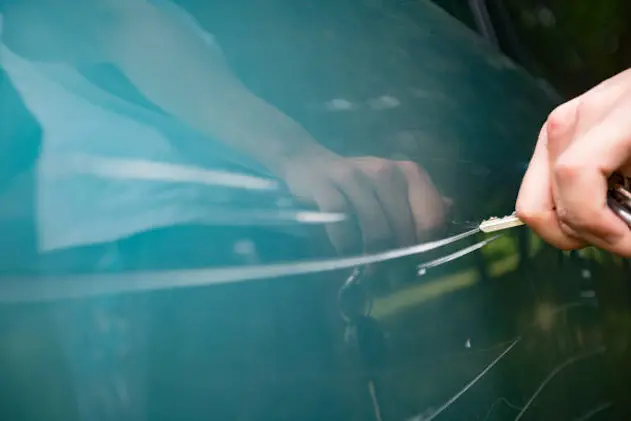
453, 256
467, 387
592, 412
53, 288
556, 371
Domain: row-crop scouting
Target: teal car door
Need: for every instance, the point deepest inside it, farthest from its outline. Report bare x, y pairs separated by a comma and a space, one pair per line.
157, 265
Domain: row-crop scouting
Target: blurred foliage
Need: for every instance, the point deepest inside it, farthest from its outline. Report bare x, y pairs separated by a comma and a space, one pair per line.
574, 43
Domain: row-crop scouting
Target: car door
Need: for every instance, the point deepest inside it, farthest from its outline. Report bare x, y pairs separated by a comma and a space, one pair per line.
251, 313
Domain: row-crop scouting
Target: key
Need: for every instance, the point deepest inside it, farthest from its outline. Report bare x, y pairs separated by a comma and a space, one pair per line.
618, 199
498, 224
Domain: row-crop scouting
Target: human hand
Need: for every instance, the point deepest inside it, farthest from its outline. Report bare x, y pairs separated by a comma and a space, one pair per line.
395, 202
563, 194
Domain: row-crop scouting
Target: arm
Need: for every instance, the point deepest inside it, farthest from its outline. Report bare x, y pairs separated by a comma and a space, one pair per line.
179, 72
395, 202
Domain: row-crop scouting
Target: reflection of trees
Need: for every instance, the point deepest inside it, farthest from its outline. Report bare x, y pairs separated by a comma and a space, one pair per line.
561, 304
576, 43
554, 373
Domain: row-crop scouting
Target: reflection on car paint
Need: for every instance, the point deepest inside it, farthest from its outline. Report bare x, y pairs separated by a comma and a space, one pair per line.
138, 169
599, 408
572, 360
49, 288
491, 331
422, 268
435, 413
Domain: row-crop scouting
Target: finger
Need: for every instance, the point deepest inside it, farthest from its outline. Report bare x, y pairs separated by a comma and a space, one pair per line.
574, 119
560, 129
375, 227
535, 205
392, 191
581, 173
426, 204
343, 235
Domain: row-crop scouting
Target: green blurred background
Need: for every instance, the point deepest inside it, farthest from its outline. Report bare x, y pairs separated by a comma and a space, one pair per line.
573, 44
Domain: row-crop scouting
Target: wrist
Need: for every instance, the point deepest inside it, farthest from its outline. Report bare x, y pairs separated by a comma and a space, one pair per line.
287, 156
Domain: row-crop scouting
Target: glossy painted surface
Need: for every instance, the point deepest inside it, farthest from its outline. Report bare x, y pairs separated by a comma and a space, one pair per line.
249, 313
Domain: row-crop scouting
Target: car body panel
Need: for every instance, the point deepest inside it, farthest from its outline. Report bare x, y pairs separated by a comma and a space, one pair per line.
254, 317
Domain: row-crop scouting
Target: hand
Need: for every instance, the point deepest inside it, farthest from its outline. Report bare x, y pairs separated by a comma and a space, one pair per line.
563, 194
395, 202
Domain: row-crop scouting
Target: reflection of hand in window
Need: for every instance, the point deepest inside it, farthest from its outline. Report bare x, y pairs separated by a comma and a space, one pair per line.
395, 202
183, 74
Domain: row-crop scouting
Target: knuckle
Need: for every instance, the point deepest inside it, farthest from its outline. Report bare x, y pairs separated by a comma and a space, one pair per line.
584, 220
407, 165
381, 168
588, 106
571, 223
344, 173
561, 118
567, 230
410, 168
564, 217
566, 170
330, 200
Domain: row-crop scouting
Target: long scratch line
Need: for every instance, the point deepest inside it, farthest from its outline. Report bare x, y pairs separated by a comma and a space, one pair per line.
456, 255
468, 386
594, 411
53, 288
556, 371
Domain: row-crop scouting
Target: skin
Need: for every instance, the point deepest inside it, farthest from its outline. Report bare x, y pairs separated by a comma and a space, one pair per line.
393, 202
583, 142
